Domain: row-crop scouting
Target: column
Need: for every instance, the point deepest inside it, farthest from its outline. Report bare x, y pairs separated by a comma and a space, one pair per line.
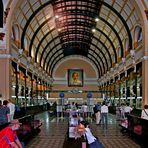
16, 86
25, 79
41, 89
119, 92
5, 76
37, 91
31, 95
145, 81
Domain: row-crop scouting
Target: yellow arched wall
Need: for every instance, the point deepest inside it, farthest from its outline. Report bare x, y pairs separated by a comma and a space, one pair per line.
61, 80
61, 71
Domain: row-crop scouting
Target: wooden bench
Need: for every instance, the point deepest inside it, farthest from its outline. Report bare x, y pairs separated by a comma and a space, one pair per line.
124, 126
137, 128
29, 128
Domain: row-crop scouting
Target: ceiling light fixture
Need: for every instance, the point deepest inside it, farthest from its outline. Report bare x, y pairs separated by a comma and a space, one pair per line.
56, 16
93, 30
96, 19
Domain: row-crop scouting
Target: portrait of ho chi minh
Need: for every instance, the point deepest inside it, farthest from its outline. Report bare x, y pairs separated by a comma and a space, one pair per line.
75, 78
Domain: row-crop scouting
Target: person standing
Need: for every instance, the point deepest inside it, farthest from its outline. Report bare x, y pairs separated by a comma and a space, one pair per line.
127, 109
4, 112
97, 111
73, 106
144, 113
12, 109
85, 110
104, 114
122, 111
76, 104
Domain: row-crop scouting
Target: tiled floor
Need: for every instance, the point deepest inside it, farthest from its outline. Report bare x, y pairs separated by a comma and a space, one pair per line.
53, 134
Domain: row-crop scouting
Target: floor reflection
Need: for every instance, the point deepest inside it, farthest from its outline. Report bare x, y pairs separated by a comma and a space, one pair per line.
54, 132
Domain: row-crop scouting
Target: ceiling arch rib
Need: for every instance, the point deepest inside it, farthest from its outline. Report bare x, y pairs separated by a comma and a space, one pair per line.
114, 12
116, 33
91, 59
91, 44
47, 46
83, 40
38, 47
109, 61
52, 40
122, 19
57, 37
113, 47
82, 1
54, 59
45, 4
41, 58
75, 58
59, 44
30, 19
99, 75
36, 52
54, 63
90, 6
90, 26
97, 56
73, 13
99, 63
94, 37
35, 34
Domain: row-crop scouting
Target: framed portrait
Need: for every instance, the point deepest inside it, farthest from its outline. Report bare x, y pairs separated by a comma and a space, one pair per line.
75, 77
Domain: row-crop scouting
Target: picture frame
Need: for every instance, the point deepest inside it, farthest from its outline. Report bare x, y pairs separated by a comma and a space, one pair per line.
75, 77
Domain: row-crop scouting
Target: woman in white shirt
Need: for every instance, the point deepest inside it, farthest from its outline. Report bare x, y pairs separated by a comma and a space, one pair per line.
144, 113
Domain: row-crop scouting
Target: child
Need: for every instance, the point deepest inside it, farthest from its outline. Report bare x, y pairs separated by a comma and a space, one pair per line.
92, 141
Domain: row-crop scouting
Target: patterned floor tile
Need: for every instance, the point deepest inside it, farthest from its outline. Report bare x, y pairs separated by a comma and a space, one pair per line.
54, 132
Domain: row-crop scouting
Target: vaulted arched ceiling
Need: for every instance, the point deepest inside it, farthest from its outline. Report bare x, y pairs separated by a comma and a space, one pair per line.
56, 29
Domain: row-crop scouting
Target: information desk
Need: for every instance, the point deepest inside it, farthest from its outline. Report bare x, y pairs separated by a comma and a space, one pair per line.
73, 119
73, 122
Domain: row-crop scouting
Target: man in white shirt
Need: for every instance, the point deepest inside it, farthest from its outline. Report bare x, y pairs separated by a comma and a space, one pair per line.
104, 114
85, 110
92, 141
12, 109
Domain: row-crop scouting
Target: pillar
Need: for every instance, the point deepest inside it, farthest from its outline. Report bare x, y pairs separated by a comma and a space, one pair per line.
31, 95
145, 81
16, 86
25, 80
5, 77
37, 91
